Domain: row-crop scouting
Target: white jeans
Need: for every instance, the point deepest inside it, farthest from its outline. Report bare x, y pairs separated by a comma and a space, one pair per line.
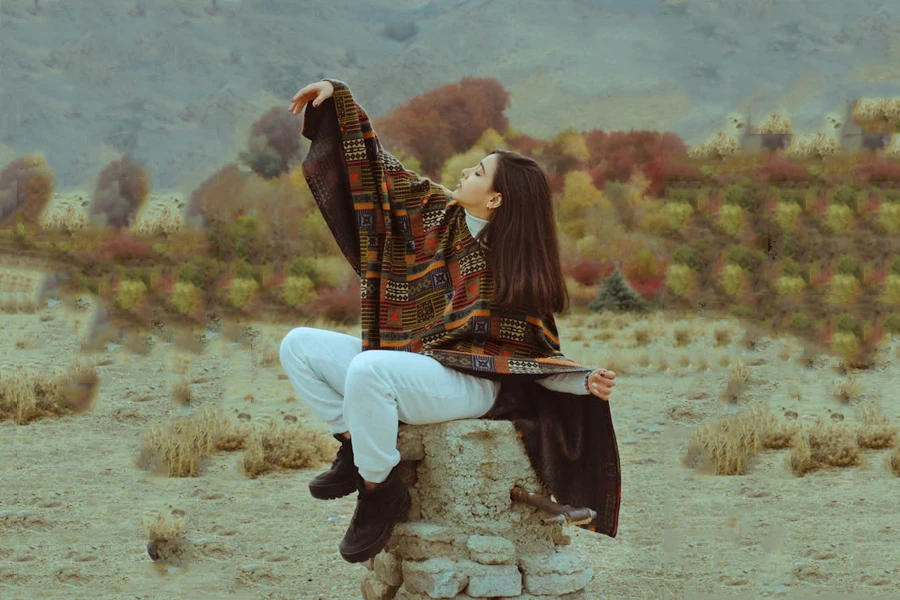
368, 393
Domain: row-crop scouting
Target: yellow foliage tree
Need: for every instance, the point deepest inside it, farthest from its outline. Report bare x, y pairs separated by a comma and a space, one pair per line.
489, 140
572, 144
579, 203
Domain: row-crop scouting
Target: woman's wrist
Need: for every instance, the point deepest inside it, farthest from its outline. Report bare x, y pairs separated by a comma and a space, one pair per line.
586, 386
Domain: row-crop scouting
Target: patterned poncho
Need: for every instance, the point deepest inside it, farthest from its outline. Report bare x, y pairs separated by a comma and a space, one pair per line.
425, 287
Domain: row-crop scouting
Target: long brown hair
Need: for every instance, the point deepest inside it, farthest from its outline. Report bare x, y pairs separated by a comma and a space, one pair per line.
522, 244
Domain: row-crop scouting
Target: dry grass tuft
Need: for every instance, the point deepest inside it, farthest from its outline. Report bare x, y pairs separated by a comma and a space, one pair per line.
285, 447
682, 337
179, 448
641, 336
181, 392
28, 343
808, 359
738, 381
723, 337
845, 391
822, 446
604, 335
894, 460
271, 357
876, 431
167, 543
726, 446
26, 397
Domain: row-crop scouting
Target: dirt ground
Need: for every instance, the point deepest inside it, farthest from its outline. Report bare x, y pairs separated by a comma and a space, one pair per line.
72, 500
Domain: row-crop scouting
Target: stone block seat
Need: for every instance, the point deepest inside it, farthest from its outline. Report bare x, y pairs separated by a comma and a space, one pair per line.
463, 536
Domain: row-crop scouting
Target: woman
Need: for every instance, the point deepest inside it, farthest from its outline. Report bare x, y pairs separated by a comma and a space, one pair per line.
439, 332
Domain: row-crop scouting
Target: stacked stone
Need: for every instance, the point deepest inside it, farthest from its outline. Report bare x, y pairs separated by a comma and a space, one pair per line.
463, 536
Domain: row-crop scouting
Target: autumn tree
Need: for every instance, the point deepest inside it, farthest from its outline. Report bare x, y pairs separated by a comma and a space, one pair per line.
273, 143
26, 185
121, 188
445, 121
580, 202
615, 156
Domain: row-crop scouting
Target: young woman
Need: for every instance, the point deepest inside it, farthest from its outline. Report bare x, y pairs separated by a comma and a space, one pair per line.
466, 297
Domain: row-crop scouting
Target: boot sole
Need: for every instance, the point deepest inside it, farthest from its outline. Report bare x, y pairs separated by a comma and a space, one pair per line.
330, 492
378, 545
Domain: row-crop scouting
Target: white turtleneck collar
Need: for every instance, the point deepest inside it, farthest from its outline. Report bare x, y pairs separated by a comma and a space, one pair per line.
474, 223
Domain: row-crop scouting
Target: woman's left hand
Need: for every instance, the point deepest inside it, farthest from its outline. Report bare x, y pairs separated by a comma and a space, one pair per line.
601, 383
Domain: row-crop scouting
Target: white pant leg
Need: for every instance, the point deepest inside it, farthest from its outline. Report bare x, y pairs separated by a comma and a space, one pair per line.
316, 363
386, 386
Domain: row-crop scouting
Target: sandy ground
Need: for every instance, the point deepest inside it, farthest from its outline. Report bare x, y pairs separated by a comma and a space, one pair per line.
683, 534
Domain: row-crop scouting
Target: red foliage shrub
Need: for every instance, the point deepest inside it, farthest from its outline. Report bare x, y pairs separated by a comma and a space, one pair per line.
598, 177
781, 170
341, 306
586, 271
445, 121
26, 185
663, 170
615, 155
525, 144
122, 245
121, 188
647, 287
217, 197
557, 181
878, 171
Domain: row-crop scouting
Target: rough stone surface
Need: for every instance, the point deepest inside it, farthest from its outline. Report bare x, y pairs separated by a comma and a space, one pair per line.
374, 589
409, 443
580, 595
556, 583
560, 572
562, 562
389, 569
491, 581
420, 541
560, 537
406, 594
464, 537
436, 577
491, 550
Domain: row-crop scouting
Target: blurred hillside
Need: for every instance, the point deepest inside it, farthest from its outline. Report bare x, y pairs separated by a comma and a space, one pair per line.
176, 84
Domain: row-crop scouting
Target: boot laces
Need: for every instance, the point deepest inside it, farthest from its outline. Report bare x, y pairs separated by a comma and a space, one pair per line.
365, 510
342, 454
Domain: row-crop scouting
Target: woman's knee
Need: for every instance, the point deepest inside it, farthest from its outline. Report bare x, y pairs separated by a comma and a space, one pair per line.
293, 344
362, 368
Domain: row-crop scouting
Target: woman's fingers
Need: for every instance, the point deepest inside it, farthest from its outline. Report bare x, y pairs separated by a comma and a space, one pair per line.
302, 91
602, 388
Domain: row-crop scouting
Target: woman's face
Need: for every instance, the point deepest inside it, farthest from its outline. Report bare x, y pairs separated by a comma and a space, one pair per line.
474, 190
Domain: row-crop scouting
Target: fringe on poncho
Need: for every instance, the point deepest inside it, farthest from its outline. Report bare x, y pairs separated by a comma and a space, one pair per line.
425, 287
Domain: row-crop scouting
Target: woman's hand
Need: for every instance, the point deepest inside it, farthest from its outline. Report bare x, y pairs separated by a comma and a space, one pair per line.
601, 383
320, 90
